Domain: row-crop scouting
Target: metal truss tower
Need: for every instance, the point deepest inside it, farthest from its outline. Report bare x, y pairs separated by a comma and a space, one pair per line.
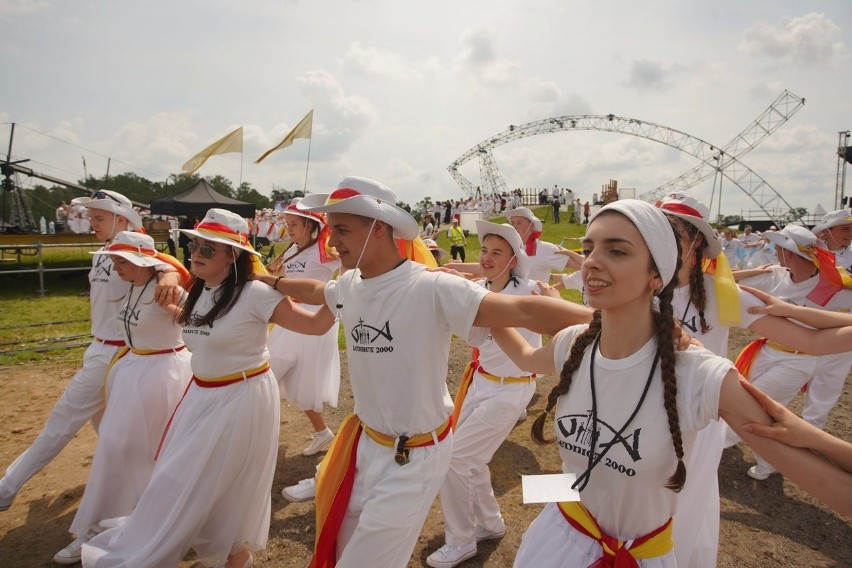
712, 158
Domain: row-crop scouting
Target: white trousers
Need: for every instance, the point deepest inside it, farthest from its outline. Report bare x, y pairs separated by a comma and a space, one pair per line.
389, 503
489, 412
825, 387
83, 400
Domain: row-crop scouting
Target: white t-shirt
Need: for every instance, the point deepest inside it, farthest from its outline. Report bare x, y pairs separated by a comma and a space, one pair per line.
491, 357
398, 327
235, 342
308, 264
778, 283
106, 295
716, 338
545, 261
144, 323
626, 492
844, 258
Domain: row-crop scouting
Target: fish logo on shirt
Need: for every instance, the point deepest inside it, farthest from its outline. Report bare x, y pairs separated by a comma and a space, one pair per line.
576, 428
297, 265
364, 334
103, 266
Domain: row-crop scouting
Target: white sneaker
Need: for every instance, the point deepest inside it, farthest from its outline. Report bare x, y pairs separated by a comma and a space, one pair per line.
760, 474
71, 553
6, 502
305, 490
450, 556
322, 440
522, 415
481, 533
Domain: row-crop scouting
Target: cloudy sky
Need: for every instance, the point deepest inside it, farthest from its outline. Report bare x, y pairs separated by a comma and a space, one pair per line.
401, 89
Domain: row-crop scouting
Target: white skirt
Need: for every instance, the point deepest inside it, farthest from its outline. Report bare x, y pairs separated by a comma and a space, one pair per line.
307, 366
211, 486
142, 392
551, 542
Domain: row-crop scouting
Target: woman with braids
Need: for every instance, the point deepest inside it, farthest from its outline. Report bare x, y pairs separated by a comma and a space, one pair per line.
210, 487
627, 406
307, 367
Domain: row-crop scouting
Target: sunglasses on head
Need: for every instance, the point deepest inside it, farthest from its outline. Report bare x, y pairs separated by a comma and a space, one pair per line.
103, 195
204, 250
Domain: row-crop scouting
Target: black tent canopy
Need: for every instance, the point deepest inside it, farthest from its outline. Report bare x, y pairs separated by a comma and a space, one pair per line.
196, 200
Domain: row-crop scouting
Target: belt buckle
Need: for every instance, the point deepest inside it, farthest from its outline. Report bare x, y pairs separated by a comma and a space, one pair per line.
401, 456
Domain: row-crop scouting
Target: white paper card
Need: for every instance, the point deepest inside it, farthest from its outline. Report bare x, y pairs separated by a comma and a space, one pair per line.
549, 488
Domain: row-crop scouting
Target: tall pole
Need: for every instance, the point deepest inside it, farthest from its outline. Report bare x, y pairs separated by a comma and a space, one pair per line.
307, 164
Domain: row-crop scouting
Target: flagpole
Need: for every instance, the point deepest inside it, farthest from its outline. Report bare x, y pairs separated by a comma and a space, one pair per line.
242, 154
307, 164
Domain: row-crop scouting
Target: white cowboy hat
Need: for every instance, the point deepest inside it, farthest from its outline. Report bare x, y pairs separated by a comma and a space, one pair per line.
113, 202
833, 219
794, 238
692, 210
134, 247
511, 236
367, 198
526, 214
293, 209
222, 226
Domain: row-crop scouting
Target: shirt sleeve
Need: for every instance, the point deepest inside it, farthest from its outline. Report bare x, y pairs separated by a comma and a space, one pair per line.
700, 374
458, 299
262, 300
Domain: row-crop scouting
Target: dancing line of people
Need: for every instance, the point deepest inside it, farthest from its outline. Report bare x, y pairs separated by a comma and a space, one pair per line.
184, 382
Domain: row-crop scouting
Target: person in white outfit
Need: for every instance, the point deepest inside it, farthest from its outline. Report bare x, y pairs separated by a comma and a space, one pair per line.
708, 303
835, 229
378, 480
807, 276
492, 392
210, 487
145, 380
627, 405
307, 367
83, 399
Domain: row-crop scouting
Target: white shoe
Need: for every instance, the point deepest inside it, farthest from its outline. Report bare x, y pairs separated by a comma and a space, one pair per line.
760, 474
522, 415
6, 502
450, 556
71, 553
322, 440
305, 490
481, 533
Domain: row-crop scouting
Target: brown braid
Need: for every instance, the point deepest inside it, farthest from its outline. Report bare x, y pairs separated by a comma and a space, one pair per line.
697, 295
578, 348
664, 325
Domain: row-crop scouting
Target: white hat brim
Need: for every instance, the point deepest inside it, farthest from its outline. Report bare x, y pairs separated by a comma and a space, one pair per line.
404, 225
523, 212
134, 221
819, 228
714, 244
143, 261
207, 237
785, 242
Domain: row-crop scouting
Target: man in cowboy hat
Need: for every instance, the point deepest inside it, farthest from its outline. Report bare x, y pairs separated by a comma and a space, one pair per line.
398, 320
835, 230
807, 276
109, 213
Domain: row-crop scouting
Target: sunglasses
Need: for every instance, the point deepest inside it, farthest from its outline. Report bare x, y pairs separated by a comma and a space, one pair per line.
204, 250
103, 195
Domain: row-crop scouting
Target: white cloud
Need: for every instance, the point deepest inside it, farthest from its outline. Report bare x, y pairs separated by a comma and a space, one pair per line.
375, 62
646, 75
812, 39
479, 58
10, 8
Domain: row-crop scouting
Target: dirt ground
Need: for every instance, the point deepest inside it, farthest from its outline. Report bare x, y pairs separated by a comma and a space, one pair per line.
768, 523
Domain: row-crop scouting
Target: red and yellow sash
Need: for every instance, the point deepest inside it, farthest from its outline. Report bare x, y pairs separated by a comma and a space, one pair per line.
336, 476
617, 553
466, 380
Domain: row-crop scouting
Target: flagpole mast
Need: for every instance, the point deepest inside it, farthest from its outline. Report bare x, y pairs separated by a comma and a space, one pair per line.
307, 164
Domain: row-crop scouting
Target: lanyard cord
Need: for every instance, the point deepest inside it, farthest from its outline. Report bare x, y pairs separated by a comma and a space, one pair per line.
131, 311
595, 459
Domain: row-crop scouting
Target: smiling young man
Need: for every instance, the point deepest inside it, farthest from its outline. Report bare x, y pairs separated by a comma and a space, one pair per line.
398, 319
835, 229
83, 399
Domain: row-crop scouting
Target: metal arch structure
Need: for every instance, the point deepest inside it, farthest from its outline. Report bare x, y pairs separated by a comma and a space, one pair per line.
712, 158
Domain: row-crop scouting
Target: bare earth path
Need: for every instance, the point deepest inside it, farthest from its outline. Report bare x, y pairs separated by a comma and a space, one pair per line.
763, 524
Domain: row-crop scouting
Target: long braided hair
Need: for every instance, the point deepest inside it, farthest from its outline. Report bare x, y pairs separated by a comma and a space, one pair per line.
664, 326
697, 295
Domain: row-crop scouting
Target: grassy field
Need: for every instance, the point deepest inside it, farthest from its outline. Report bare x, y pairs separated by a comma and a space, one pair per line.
36, 328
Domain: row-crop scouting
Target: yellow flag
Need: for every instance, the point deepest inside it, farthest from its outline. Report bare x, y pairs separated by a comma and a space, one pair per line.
302, 130
233, 142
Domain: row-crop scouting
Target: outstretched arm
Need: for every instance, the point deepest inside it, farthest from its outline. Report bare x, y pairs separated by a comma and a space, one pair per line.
304, 290
793, 431
537, 360
813, 474
820, 319
294, 318
540, 314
